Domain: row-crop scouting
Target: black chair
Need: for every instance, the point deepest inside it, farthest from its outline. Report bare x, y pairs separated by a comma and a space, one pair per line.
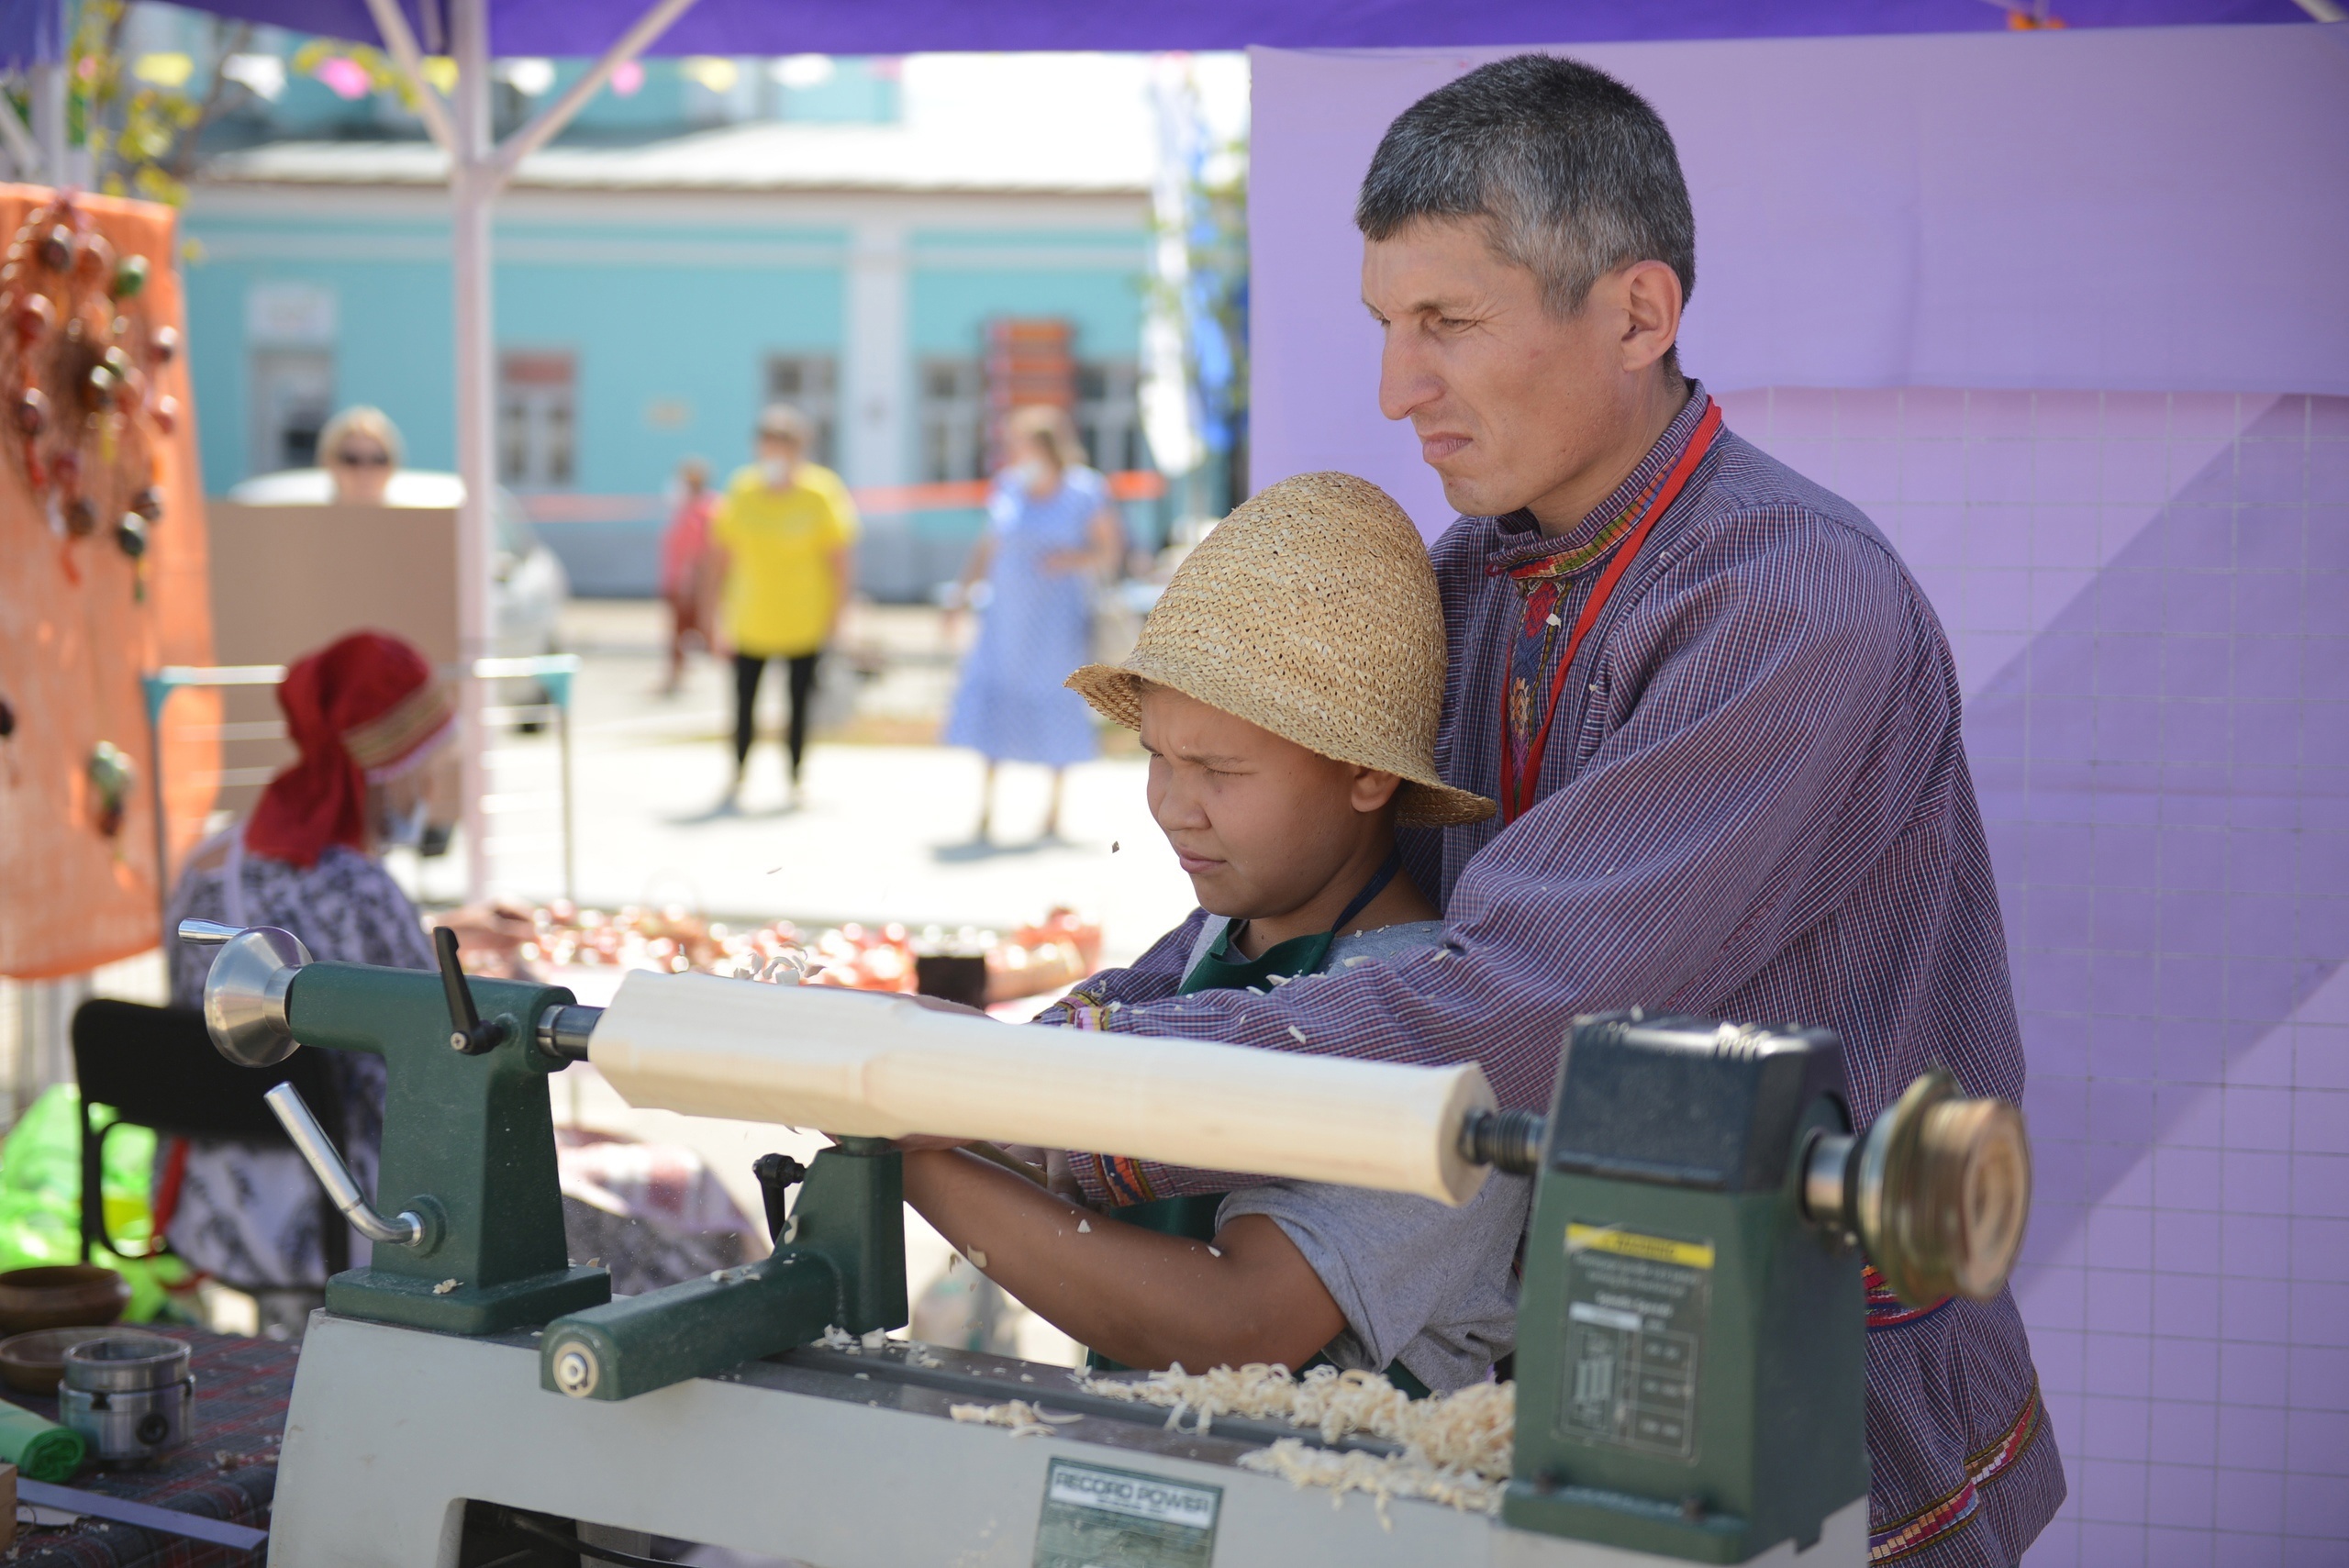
157, 1068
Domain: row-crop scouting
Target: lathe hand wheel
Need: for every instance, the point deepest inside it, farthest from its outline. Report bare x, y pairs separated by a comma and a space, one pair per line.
1943, 1192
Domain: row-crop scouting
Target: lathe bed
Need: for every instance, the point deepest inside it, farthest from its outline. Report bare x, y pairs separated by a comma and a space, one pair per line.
845, 1461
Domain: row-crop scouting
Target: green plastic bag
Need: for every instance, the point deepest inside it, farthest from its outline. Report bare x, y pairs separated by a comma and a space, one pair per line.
40, 1198
42, 1451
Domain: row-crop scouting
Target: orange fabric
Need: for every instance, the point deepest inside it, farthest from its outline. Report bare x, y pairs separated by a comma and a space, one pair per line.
74, 640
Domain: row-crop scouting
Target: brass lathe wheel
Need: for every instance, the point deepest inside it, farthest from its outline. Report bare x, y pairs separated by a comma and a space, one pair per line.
1937, 1191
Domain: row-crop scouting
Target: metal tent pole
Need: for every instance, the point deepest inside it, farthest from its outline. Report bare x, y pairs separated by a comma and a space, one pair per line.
476, 172
49, 121
472, 187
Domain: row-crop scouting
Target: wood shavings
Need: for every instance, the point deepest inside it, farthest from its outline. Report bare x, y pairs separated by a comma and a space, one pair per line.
1025, 1420
1214, 1251
838, 1338
1297, 1033
1381, 1476
1085, 1228
978, 1259
444, 1287
1457, 1446
876, 1340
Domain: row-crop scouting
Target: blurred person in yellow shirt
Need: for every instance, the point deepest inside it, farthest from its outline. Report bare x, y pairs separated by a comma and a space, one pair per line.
785, 530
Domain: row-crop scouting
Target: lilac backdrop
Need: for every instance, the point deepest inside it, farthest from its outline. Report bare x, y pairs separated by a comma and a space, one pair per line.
2152, 210
2144, 594
2144, 586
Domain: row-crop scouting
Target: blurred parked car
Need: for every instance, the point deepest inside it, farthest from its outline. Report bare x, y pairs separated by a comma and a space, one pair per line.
528, 586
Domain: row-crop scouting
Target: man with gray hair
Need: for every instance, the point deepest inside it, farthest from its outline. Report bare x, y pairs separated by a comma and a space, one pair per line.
1721, 718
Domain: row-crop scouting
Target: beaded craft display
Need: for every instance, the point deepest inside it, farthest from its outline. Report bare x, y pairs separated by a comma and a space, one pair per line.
78, 359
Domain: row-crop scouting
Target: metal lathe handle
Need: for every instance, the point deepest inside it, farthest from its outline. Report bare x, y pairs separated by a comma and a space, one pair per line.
407, 1230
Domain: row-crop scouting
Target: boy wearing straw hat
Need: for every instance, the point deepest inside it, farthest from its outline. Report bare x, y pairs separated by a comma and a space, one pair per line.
1286, 688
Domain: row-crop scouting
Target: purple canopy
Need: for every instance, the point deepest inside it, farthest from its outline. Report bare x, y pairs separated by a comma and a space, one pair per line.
900, 27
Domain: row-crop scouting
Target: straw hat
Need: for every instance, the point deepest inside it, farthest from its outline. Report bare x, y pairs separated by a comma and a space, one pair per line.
1312, 612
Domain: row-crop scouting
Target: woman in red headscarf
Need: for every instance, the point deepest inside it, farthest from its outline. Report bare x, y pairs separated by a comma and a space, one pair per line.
372, 725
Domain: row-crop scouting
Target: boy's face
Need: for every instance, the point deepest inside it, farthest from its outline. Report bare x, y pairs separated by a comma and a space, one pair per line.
1260, 824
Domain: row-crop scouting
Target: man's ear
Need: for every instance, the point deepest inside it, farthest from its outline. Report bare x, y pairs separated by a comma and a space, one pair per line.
1650, 303
1372, 790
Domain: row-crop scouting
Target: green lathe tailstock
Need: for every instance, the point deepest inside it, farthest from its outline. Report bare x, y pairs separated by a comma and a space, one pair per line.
477, 1246
469, 1138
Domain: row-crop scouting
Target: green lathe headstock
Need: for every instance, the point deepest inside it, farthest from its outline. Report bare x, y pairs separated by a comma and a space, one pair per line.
1691, 1349
1692, 1369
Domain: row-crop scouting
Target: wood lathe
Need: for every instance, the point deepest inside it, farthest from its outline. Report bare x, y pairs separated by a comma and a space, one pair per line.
1690, 1354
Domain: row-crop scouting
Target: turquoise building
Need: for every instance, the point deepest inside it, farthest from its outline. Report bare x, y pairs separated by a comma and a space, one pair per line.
841, 235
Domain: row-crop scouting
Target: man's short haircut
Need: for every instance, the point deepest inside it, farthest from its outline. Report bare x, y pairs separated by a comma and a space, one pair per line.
782, 422
1574, 174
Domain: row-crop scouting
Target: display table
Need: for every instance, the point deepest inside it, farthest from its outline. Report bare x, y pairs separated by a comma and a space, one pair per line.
228, 1472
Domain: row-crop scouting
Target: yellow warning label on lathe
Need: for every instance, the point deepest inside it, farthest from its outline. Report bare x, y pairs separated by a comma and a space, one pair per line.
1632, 1244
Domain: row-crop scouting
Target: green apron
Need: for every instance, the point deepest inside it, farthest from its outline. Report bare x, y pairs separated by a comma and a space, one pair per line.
1220, 968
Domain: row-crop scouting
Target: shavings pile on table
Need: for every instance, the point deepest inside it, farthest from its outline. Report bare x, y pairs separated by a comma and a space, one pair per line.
1457, 1446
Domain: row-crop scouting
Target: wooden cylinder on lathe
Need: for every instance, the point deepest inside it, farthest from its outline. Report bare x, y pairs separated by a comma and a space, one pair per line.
860, 1065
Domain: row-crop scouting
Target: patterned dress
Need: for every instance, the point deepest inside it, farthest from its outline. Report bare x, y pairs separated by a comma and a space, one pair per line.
1035, 631
1755, 804
250, 1216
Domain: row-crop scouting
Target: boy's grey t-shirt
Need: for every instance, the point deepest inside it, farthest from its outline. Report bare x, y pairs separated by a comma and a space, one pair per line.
1432, 1288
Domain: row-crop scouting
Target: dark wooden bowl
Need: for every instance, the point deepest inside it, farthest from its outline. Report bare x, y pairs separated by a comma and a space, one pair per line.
34, 1363
61, 1296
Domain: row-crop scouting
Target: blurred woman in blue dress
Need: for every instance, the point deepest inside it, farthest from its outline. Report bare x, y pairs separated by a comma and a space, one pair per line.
1052, 533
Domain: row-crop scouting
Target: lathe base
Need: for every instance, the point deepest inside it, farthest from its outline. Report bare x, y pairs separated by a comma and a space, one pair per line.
842, 1462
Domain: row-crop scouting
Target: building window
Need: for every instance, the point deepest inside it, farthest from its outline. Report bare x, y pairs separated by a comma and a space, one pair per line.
292, 396
537, 420
810, 384
954, 419
1109, 413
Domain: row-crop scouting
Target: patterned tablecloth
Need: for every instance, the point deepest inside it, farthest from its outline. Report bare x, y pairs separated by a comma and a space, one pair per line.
228, 1472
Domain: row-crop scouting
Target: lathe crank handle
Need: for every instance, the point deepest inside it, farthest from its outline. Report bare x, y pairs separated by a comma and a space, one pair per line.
408, 1229
468, 1034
